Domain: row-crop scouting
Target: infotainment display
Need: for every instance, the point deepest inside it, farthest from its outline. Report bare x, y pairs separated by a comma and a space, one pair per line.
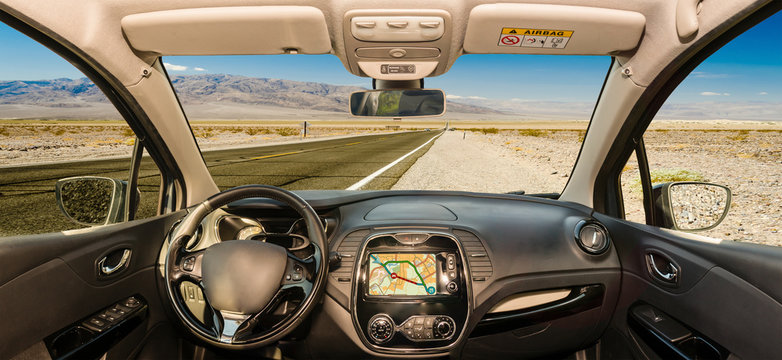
402, 274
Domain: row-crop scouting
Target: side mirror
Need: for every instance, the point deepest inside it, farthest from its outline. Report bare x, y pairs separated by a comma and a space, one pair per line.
398, 103
690, 206
91, 200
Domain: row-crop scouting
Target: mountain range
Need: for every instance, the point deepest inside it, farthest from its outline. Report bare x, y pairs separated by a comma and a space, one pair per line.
202, 96
219, 96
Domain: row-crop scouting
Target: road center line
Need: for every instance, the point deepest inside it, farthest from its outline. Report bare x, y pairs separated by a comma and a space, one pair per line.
377, 173
275, 155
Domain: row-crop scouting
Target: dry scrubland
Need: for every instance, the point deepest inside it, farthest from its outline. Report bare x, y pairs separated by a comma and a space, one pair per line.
538, 160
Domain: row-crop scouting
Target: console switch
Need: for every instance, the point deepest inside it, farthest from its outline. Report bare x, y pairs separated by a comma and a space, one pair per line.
428, 327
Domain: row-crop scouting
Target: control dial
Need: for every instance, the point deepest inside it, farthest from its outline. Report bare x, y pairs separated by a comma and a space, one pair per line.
381, 328
443, 327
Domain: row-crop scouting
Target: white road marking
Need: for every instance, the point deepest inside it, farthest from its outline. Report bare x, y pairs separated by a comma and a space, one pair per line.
377, 173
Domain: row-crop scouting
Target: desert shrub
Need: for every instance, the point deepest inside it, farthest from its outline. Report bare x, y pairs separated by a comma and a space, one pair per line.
4, 131
739, 136
128, 132
287, 131
533, 132
668, 175
58, 131
661, 176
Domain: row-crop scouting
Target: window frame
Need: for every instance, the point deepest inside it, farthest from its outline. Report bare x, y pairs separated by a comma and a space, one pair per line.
172, 183
608, 190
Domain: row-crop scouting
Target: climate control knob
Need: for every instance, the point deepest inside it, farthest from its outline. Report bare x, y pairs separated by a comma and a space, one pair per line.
443, 327
381, 328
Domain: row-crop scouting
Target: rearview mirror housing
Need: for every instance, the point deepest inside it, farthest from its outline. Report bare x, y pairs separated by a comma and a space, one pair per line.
91, 200
398, 103
690, 205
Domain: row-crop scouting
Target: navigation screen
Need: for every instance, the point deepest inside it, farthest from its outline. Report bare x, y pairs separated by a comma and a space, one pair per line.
402, 274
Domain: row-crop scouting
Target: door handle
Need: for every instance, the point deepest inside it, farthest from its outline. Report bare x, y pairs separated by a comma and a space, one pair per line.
108, 269
661, 268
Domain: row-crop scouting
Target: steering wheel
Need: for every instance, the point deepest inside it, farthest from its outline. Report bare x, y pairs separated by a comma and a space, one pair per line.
245, 281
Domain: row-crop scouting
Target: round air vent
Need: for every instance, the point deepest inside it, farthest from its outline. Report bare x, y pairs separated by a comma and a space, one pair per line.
592, 237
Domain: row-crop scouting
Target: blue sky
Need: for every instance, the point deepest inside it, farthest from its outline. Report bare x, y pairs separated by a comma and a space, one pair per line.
747, 69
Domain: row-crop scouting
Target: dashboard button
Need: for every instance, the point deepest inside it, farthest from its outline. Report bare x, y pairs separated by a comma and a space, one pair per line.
419, 320
429, 322
452, 287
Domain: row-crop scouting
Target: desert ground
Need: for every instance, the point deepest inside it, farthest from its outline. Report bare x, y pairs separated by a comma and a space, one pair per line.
498, 156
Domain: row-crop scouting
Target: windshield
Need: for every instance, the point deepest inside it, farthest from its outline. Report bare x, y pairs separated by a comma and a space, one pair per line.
512, 124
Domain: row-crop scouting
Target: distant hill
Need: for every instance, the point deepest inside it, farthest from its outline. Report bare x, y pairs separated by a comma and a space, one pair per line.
53, 93
203, 96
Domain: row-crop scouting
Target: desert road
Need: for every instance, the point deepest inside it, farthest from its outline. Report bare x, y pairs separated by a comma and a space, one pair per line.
368, 162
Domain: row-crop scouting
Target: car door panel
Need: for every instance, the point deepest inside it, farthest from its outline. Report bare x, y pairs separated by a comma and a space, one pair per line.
51, 281
727, 292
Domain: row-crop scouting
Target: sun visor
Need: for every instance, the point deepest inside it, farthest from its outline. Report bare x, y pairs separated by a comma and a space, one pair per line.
240, 30
551, 29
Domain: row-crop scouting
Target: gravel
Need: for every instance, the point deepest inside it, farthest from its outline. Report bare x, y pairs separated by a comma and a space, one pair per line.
748, 162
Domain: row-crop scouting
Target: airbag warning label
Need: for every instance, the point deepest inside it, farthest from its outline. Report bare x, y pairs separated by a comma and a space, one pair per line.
540, 38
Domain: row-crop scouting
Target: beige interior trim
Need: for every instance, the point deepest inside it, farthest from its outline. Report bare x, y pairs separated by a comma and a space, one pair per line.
582, 30
237, 30
155, 95
616, 101
530, 299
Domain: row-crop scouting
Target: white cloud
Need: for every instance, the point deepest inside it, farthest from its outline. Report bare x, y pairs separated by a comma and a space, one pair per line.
199, 69
705, 75
762, 93
452, 97
725, 94
476, 97
173, 67
710, 93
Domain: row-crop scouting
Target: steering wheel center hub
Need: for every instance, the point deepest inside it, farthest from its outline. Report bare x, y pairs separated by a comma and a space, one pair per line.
242, 276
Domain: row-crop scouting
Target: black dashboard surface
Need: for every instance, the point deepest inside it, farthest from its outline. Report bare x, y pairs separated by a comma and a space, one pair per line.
529, 246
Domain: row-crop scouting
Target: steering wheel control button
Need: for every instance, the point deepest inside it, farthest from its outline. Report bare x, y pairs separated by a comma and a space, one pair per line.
189, 263
296, 277
381, 328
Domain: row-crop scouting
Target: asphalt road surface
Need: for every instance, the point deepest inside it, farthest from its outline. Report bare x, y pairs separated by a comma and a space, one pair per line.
28, 206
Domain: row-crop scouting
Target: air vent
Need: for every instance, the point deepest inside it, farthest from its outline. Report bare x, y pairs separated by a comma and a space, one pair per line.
477, 256
592, 237
348, 248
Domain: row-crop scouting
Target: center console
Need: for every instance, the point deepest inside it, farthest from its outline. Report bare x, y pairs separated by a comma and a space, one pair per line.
412, 292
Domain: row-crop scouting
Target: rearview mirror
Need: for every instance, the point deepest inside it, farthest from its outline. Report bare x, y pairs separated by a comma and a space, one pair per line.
398, 103
91, 200
691, 206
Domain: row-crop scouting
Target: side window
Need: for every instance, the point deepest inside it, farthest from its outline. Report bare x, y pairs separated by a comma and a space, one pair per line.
56, 124
722, 125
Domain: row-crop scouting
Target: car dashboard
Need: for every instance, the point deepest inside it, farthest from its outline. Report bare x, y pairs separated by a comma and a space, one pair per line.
419, 273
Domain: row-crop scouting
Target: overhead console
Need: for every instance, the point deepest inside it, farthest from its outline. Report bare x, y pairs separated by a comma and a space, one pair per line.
397, 44
412, 293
